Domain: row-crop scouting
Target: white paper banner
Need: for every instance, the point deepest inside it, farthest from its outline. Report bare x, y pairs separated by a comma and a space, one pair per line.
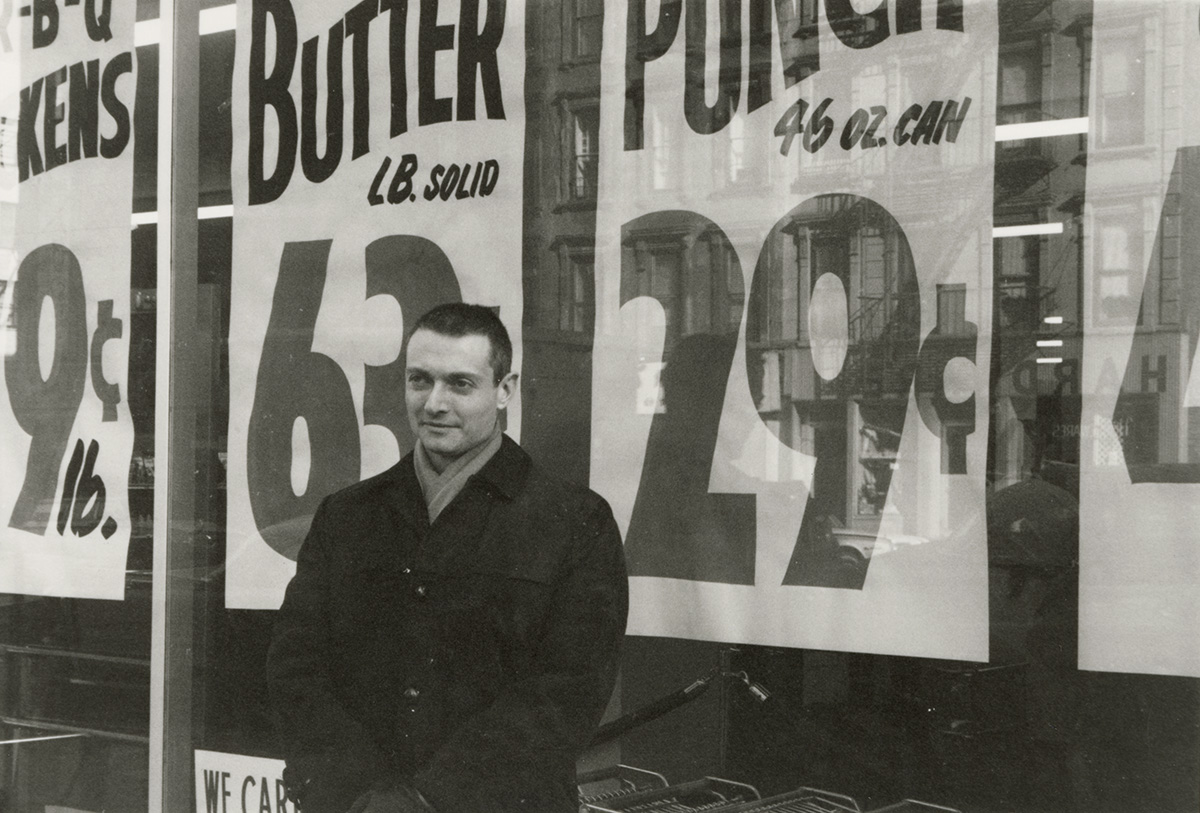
67, 78
377, 172
232, 783
793, 286
1140, 426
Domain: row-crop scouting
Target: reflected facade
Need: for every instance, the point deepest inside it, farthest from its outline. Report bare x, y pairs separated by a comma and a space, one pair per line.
770, 373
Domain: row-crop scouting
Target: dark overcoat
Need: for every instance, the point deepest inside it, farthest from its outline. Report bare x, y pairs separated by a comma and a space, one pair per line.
471, 659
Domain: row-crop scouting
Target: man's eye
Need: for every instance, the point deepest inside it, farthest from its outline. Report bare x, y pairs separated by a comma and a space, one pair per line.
417, 380
463, 384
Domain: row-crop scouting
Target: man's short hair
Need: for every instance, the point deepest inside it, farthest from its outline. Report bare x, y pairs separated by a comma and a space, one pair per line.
461, 319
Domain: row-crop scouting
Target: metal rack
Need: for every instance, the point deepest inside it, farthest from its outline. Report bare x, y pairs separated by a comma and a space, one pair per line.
709, 793
914, 806
633, 790
801, 800
611, 784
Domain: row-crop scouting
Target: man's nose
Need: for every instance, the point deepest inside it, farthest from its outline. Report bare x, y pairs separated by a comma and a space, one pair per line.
436, 401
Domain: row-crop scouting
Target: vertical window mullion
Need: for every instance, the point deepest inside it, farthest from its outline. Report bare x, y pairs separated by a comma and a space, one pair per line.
171, 749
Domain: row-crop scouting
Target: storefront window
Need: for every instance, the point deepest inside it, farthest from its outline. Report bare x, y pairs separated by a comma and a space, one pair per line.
874, 328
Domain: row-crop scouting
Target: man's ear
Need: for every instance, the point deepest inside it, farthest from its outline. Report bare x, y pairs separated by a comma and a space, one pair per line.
506, 389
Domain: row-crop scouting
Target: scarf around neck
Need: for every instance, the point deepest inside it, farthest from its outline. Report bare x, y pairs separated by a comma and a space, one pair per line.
441, 489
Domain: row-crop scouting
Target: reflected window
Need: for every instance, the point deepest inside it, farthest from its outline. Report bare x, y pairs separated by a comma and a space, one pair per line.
663, 279
1119, 248
1017, 270
784, 275
869, 88
586, 21
874, 273
576, 292
734, 288
1121, 89
1019, 91
7, 318
585, 153
743, 156
8, 141
662, 151
874, 287
952, 309
695, 277
865, 258
878, 443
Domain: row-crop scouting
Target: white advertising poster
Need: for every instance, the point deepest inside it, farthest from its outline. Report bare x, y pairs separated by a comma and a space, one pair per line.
377, 172
233, 783
1139, 602
793, 288
67, 78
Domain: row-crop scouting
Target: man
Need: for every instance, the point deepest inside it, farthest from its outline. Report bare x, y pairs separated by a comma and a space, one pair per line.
450, 638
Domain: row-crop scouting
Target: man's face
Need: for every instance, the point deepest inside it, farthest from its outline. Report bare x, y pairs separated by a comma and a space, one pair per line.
451, 393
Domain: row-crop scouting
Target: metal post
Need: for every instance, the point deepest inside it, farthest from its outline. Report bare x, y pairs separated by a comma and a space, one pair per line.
170, 779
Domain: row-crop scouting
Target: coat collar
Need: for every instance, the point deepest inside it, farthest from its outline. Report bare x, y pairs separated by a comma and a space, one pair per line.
504, 475
507, 470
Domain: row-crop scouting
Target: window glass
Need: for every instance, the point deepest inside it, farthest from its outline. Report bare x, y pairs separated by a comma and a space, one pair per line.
77, 334
873, 326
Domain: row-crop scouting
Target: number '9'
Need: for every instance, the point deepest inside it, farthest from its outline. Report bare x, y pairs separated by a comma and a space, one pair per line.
45, 408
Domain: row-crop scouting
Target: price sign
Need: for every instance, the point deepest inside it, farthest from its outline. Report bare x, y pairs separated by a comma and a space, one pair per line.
1140, 462
378, 159
65, 427
793, 284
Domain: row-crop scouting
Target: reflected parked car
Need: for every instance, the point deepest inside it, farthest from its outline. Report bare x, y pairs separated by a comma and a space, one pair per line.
867, 543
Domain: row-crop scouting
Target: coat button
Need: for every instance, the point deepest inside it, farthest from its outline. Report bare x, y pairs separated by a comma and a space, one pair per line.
421, 591
406, 571
412, 693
